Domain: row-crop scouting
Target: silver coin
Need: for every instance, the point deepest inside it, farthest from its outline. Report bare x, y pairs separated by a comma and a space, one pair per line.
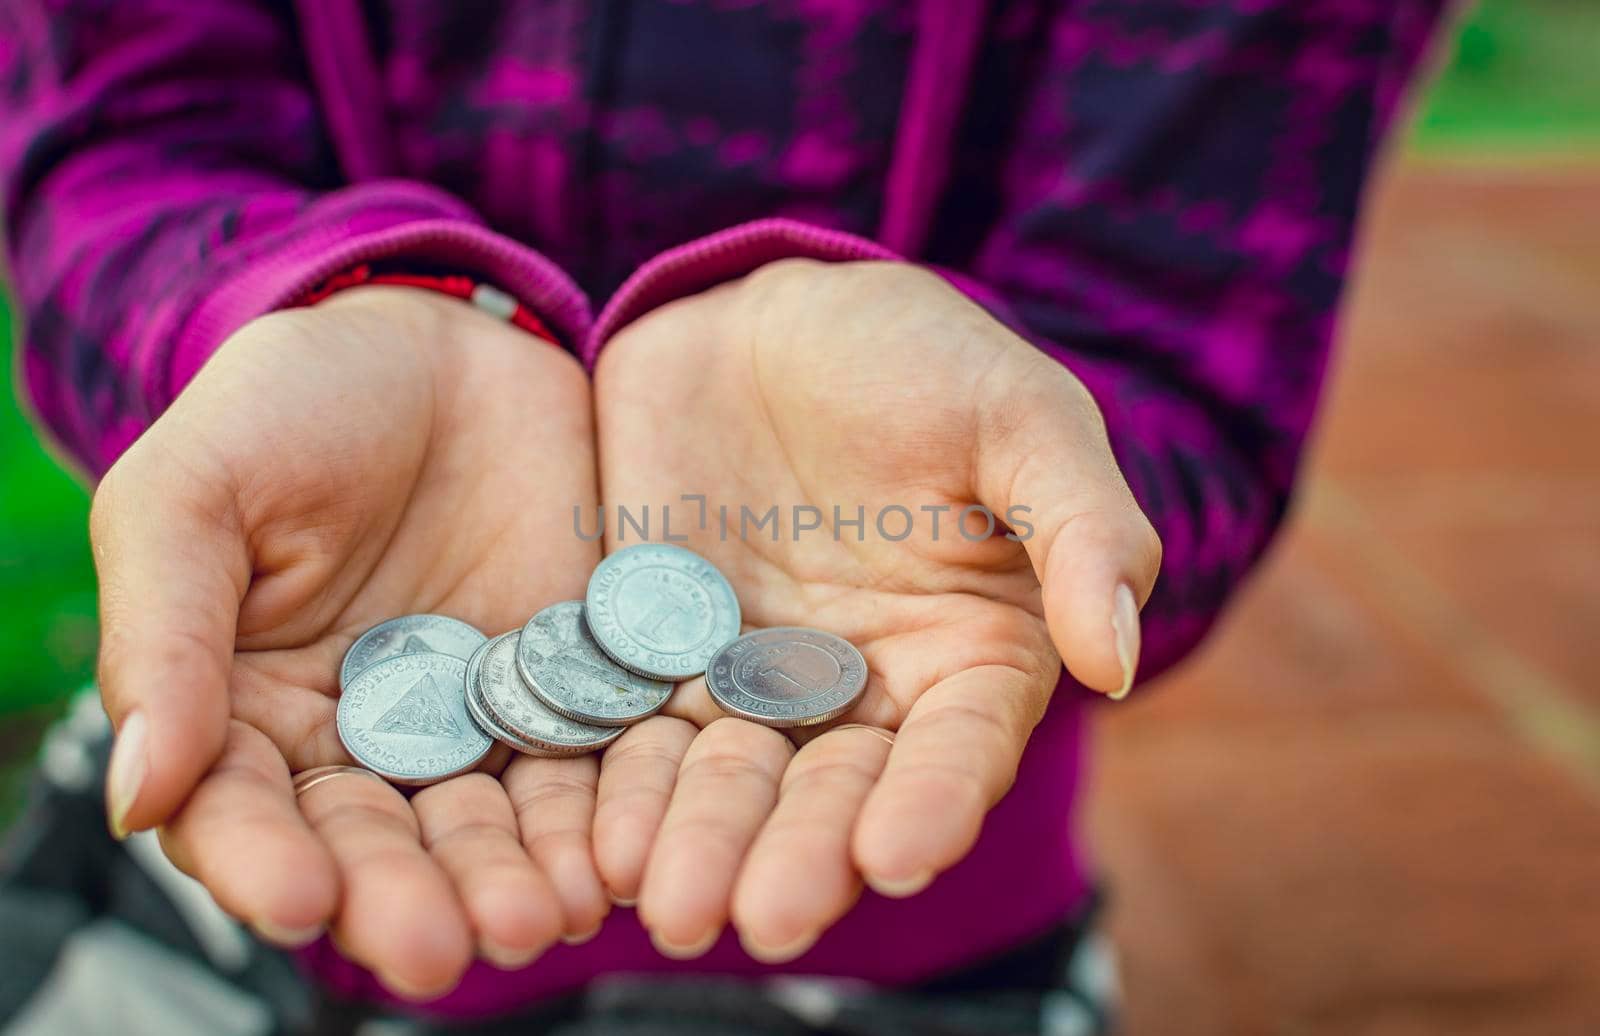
512, 704
480, 714
660, 610
569, 673
405, 718
408, 635
788, 676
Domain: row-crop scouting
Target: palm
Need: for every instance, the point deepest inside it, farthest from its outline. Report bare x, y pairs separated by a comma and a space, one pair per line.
952, 625
471, 519
753, 426
375, 461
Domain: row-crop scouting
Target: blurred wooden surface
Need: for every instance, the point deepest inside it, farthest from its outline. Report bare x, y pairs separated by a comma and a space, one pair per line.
1371, 805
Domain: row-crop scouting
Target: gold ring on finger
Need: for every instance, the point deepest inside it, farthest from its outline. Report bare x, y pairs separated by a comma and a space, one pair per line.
305, 780
886, 736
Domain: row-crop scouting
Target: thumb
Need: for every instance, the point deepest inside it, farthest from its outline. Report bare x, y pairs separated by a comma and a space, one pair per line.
172, 567
1043, 464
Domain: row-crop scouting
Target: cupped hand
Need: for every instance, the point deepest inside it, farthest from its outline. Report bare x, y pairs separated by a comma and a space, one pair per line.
388, 451
873, 386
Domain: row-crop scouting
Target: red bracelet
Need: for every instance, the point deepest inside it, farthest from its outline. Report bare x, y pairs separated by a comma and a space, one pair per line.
484, 296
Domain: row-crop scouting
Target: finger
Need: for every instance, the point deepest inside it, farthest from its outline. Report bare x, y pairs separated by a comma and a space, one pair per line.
726, 787
172, 568
1043, 464
400, 916
799, 877
637, 775
500, 756
954, 756
691, 701
242, 837
469, 829
554, 800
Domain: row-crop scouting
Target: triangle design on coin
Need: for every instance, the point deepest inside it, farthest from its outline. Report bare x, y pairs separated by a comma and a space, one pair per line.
414, 645
421, 710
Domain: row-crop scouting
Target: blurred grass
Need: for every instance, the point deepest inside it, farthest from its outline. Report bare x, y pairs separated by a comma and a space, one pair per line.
47, 624
47, 614
1522, 78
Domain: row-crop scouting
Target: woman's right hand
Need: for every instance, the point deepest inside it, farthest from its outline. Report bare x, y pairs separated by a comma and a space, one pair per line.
386, 452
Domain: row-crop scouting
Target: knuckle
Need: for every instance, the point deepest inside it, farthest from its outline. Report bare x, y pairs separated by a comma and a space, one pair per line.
383, 827
724, 767
491, 875
730, 735
1003, 721
547, 843
641, 799
455, 792
793, 835
832, 776
658, 743
654, 754
553, 790
477, 834
956, 787
711, 832
994, 722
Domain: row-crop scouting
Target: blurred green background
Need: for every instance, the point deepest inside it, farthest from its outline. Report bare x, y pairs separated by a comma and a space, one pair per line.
1519, 80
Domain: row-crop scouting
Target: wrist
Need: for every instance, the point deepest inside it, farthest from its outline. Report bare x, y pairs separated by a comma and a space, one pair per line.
430, 328
482, 296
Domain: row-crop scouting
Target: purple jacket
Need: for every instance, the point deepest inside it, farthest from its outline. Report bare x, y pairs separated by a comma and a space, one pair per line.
1160, 194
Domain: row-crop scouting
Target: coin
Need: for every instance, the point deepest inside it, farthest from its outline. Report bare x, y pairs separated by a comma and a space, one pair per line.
569, 673
661, 611
475, 707
787, 676
405, 718
513, 706
407, 635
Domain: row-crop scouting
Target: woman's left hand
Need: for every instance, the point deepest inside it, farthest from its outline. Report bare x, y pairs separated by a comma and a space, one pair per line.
873, 386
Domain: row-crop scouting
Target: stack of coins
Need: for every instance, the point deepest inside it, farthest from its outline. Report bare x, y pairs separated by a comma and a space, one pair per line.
424, 697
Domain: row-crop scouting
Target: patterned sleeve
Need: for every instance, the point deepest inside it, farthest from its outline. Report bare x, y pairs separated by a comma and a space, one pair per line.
166, 179
1176, 218
1169, 214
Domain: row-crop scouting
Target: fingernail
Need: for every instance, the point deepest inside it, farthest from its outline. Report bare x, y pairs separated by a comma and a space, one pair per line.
619, 901
580, 939
778, 954
129, 764
687, 951
406, 991
507, 959
287, 938
901, 888
1125, 628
